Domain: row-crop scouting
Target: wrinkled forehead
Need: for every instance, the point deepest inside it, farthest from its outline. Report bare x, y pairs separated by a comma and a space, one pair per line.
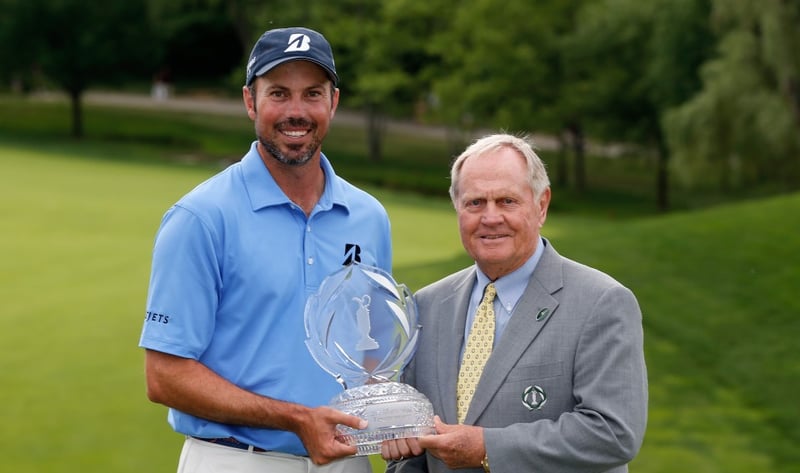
494, 172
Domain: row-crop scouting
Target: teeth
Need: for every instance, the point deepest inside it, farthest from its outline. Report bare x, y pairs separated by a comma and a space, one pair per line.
294, 134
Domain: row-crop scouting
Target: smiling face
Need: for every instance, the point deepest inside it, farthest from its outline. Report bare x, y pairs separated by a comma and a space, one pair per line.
292, 106
499, 217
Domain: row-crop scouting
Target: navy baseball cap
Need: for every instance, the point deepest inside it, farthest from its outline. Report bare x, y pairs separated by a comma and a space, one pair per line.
290, 44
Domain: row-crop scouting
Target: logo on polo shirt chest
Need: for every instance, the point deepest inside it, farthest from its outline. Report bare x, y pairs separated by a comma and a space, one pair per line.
352, 253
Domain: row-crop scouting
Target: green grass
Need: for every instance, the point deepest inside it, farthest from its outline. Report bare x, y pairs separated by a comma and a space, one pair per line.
77, 231
717, 289
718, 293
76, 235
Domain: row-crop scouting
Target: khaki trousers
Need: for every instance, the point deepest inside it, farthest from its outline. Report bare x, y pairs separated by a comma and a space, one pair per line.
198, 456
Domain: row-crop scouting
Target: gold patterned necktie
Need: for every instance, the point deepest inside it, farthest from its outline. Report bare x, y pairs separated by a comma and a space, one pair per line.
477, 351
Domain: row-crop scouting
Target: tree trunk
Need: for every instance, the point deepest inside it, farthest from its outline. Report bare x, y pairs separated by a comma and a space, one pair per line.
562, 165
579, 150
77, 113
375, 130
662, 177
793, 92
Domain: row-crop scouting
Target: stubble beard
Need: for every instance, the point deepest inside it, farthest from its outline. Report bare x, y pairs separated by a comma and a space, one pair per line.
298, 155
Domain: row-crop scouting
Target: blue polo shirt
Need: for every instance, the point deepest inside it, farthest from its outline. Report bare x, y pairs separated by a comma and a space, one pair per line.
233, 264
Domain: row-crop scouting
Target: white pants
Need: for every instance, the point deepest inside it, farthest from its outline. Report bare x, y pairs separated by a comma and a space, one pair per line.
198, 456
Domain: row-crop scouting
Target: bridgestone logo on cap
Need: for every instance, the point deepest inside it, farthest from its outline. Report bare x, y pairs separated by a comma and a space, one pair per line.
298, 42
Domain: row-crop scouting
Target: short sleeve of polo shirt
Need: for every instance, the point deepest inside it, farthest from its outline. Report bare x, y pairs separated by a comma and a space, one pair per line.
184, 286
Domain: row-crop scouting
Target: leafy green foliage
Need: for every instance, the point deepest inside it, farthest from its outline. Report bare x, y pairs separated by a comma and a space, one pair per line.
199, 46
743, 127
613, 70
628, 61
76, 44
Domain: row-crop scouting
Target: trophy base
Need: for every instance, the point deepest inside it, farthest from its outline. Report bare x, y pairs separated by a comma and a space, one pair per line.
392, 410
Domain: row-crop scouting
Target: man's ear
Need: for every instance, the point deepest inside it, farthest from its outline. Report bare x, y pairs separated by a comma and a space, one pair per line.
249, 101
334, 101
544, 204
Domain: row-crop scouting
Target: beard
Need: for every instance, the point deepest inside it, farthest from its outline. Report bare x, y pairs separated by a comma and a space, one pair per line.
296, 155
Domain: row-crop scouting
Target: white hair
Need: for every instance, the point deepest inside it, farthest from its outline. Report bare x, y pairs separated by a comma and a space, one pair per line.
537, 174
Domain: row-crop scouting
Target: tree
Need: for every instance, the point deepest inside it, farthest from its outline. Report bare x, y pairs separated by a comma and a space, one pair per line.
629, 62
75, 44
744, 125
16, 16
200, 45
354, 37
500, 67
216, 35
493, 65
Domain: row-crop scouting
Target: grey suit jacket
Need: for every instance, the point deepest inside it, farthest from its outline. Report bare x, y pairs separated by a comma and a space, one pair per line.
575, 336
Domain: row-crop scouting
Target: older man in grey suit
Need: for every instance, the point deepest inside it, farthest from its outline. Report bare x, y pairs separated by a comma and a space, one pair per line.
564, 388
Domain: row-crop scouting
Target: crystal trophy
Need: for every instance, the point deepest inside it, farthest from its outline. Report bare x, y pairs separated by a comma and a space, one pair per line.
361, 327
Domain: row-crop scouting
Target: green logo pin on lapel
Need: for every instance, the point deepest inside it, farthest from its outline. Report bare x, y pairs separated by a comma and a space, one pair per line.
542, 314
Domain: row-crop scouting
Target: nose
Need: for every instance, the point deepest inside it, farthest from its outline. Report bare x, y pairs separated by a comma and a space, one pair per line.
295, 107
492, 214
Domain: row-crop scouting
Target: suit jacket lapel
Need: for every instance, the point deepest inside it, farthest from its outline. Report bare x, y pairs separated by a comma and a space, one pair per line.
532, 313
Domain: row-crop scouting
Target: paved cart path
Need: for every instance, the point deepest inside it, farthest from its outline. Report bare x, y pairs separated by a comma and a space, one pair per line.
227, 106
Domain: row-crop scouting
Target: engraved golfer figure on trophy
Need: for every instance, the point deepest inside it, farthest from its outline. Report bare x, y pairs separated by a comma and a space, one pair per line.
361, 327
362, 316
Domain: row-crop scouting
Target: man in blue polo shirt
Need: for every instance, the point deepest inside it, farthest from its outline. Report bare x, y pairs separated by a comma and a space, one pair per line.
233, 264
